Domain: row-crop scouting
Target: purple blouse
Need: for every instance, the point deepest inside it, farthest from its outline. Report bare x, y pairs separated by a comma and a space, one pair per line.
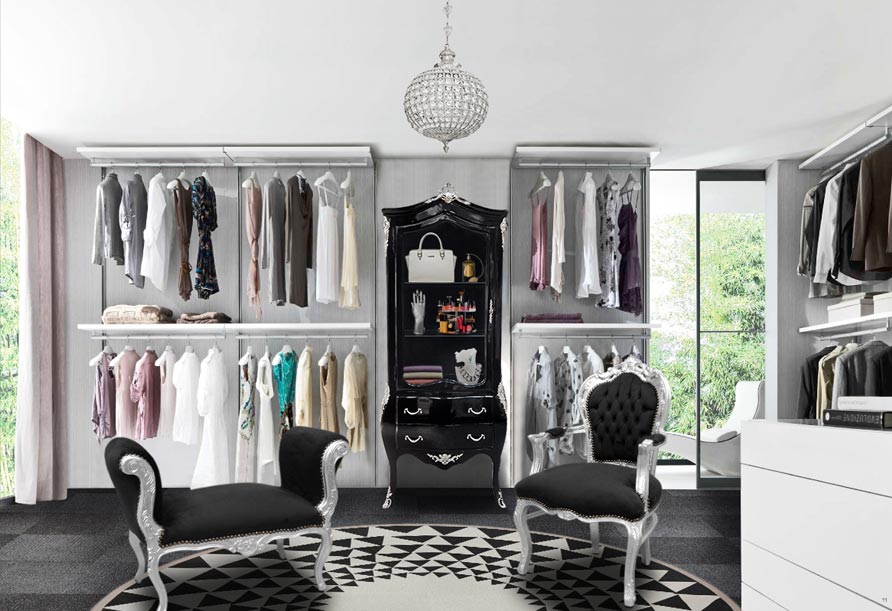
146, 389
539, 246
104, 398
629, 265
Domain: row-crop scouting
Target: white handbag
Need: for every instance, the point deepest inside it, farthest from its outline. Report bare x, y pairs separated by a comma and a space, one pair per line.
431, 265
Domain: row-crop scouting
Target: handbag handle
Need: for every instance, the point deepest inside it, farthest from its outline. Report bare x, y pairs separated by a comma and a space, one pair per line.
421, 243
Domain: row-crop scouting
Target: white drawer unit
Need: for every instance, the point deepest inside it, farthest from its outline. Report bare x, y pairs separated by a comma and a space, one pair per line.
816, 504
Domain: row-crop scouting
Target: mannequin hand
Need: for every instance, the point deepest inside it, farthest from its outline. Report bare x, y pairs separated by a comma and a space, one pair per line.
418, 303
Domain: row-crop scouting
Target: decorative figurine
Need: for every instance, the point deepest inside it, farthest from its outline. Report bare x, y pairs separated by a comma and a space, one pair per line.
418, 302
467, 369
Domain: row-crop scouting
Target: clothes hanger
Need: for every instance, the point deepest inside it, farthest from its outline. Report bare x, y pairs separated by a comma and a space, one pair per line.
189, 348
204, 174
247, 356
300, 174
117, 359
250, 181
276, 173
347, 185
95, 360
632, 183
355, 349
136, 171
266, 351
542, 182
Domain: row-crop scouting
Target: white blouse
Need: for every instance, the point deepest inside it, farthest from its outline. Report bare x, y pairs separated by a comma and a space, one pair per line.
212, 467
158, 234
354, 399
267, 425
165, 363
186, 422
558, 253
349, 296
326, 261
588, 281
303, 389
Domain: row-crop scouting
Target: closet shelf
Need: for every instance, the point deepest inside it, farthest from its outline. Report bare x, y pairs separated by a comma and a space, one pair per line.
862, 138
332, 329
851, 326
618, 329
584, 156
154, 156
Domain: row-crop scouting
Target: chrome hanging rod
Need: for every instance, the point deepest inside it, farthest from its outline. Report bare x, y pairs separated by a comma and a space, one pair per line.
859, 333
155, 164
124, 336
300, 164
580, 164
886, 137
302, 336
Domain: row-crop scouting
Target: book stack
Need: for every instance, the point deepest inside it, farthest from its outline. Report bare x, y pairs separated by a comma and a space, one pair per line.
861, 412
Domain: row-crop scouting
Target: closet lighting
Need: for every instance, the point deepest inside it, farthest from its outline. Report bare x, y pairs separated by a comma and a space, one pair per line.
446, 102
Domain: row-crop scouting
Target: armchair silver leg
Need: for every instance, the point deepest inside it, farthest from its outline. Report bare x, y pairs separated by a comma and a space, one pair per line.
280, 545
155, 578
321, 557
136, 544
523, 532
635, 531
595, 531
645, 552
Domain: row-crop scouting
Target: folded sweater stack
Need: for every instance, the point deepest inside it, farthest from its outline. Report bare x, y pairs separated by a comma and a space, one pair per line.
130, 314
419, 375
204, 319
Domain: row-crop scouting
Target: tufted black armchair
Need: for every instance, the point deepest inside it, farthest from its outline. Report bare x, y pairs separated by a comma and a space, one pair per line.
624, 412
242, 518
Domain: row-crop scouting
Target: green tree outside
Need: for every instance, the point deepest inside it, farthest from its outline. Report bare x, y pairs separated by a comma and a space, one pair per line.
732, 259
10, 185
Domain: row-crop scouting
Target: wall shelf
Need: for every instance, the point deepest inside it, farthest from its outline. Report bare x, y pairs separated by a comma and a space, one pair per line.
619, 329
154, 156
230, 156
240, 330
307, 156
862, 138
863, 325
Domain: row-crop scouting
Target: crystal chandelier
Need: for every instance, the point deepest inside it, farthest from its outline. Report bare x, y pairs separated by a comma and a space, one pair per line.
446, 103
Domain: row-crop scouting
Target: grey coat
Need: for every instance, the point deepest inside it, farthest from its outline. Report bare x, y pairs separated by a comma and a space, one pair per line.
272, 239
850, 371
298, 238
107, 242
132, 217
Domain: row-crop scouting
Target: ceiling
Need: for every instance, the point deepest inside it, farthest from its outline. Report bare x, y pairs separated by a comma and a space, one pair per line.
711, 83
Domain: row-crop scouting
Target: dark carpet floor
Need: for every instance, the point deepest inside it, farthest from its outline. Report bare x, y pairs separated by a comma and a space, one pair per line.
67, 555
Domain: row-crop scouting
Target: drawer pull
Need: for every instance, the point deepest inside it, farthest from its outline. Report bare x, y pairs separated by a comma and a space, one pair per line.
474, 412
417, 411
416, 440
476, 439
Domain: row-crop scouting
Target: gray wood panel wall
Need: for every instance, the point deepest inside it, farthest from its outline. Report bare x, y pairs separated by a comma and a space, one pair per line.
85, 304
527, 301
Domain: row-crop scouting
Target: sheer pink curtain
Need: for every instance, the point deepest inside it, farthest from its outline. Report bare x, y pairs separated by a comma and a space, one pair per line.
41, 462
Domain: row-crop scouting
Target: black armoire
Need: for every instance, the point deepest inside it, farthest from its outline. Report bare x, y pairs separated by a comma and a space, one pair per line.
444, 422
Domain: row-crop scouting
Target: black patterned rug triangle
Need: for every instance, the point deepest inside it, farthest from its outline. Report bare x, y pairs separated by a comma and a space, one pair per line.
429, 568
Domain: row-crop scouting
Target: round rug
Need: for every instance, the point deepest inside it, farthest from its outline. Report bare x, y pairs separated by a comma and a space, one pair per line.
412, 567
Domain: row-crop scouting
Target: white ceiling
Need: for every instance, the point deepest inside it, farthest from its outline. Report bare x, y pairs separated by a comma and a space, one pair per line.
710, 82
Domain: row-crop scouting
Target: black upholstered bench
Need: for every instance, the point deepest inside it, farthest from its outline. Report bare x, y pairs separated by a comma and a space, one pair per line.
239, 517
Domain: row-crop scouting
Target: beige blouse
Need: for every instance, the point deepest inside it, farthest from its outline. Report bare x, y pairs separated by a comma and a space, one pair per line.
328, 387
354, 399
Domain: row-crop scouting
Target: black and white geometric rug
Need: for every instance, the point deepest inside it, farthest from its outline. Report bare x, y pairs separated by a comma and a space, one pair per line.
430, 568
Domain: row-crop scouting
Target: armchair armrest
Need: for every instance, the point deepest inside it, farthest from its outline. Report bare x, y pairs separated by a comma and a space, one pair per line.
308, 459
149, 529
538, 440
647, 456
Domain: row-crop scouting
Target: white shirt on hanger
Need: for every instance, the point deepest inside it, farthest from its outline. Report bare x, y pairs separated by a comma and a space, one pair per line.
587, 280
267, 425
826, 247
166, 363
303, 389
158, 234
186, 422
212, 467
558, 253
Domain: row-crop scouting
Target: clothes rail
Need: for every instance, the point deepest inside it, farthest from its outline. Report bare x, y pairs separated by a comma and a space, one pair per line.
300, 164
151, 164
215, 336
580, 164
829, 172
302, 336
856, 333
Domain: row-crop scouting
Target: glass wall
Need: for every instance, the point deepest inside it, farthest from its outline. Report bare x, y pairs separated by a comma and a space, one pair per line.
10, 192
731, 304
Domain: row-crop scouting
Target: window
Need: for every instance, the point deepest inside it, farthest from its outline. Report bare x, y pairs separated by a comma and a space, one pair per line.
10, 192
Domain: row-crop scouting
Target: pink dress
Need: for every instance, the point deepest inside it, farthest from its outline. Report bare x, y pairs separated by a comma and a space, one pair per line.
125, 406
146, 390
539, 244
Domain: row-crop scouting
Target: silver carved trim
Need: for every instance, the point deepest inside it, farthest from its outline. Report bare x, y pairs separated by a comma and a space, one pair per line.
447, 193
444, 459
416, 440
503, 228
503, 399
386, 233
482, 437
384, 401
474, 412
501, 500
491, 310
388, 500
149, 563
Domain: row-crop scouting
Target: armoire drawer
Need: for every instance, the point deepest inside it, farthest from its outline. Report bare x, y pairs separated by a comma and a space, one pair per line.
436, 410
449, 437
